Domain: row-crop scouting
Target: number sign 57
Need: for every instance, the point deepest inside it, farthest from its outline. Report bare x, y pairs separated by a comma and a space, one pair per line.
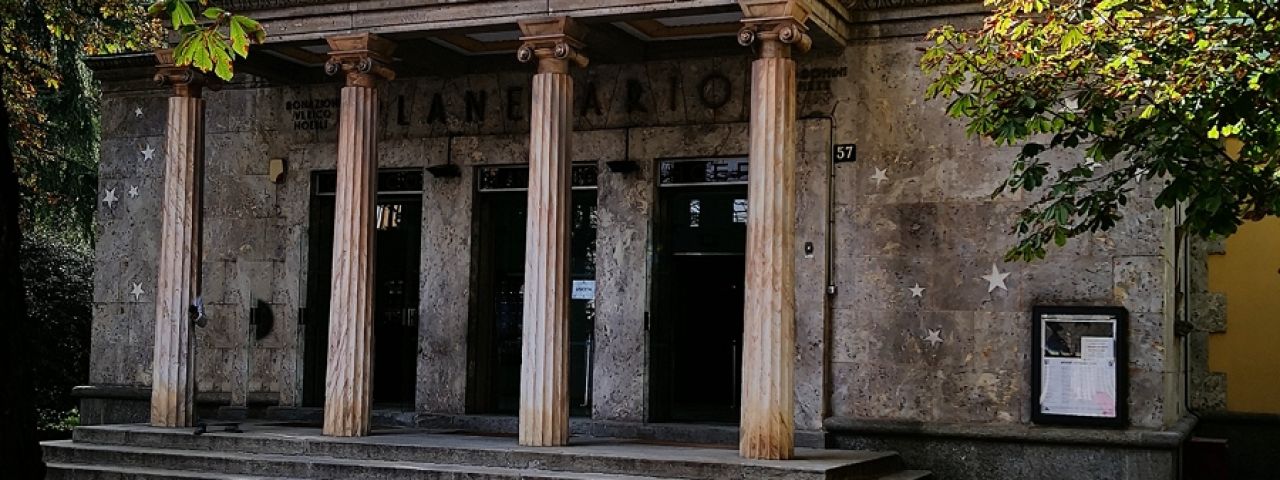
844, 152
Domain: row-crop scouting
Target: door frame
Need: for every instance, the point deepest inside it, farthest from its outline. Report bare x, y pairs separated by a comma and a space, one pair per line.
661, 366
481, 396
314, 318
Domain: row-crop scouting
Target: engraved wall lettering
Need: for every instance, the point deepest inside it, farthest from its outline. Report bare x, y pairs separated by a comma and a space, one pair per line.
436, 113
401, 118
818, 79
635, 95
312, 114
675, 92
714, 90
515, 104
475, 102
590, 100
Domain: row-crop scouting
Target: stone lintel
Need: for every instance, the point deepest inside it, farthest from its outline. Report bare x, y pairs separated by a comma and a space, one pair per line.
777, 24
363, 57
554, 41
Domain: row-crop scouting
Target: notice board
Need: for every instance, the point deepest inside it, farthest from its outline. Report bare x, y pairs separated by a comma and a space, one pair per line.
1080, 366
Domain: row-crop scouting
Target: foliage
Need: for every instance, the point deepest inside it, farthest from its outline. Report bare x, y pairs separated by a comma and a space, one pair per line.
52, 100
60, 191
1178, 94
58, 276
212, 43
62, 421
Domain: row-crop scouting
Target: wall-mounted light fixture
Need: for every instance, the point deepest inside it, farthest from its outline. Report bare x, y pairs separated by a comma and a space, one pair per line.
447, 170
622, 166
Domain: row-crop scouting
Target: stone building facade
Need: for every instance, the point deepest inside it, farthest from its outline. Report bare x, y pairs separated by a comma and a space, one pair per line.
942, 375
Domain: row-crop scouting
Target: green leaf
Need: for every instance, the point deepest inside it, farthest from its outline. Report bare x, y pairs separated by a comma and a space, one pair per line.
213, 13
220, 55
1071, 38
181, 14
251, 27
239, 40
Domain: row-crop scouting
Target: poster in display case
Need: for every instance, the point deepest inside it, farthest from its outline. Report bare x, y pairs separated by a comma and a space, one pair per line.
1079, 366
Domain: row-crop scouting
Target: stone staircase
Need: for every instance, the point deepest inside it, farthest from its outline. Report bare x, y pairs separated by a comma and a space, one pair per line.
267, 451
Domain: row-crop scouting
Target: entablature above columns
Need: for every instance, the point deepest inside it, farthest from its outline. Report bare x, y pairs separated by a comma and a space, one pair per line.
310, 20
448, 38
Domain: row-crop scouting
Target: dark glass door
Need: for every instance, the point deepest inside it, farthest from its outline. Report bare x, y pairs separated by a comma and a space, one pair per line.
696, 329
395, 305
496, 328
398, 223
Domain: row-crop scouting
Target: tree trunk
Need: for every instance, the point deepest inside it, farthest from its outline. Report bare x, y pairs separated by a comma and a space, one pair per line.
19, 451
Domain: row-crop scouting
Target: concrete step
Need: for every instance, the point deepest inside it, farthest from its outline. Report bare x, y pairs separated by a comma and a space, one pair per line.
81, 461
908, 475
584, 455
73, 471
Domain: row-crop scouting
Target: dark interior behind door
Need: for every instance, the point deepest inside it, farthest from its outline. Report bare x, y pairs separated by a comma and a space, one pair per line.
696, 329
496, 327
396, 265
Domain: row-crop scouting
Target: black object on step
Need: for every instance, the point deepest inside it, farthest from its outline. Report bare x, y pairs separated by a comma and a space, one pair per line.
229, 427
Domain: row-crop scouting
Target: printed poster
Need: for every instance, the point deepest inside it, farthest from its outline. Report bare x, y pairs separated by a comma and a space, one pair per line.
1078, 374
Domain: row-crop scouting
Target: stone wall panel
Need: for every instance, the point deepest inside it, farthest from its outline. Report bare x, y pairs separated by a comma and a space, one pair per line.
120, 114
930, 221
1138, 283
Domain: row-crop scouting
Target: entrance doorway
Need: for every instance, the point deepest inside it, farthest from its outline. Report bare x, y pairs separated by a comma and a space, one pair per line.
696, 330
397, 239
501, 212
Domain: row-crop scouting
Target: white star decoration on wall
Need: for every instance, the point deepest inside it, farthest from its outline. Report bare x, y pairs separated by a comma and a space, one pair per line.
136, 291
995, 279
110, 198
133, 191
148, 154
934, 337
137, 112
881, 175
917, 291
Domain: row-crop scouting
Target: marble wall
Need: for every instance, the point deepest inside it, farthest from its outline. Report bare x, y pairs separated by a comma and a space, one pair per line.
928, 218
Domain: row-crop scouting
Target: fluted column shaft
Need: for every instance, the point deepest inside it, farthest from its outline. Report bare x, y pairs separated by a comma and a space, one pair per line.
178, 278
768, 355
544, 369
767, 426
348, 383
349, 365
544, 384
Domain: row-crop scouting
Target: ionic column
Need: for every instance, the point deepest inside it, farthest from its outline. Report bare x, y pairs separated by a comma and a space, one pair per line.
767, 427
363, 59
178, 278
544, 370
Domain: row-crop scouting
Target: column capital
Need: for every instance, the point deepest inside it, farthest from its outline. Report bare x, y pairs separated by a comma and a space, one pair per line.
777, 24
554, 42
364, 58
185, 80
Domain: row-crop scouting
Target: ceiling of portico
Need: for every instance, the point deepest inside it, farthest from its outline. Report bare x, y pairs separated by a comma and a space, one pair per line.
708, 29
889, 4
610, 36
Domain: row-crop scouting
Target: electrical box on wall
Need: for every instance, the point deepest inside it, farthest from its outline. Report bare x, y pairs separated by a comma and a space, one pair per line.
275, 170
